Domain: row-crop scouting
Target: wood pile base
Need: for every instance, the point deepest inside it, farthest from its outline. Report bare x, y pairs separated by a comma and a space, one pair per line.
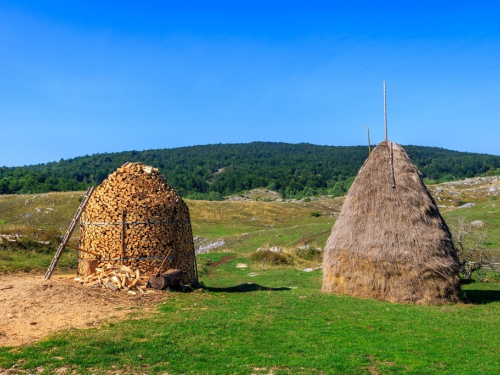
116, 277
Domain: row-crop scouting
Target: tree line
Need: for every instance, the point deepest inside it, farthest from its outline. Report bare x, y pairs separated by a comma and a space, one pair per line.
214, 171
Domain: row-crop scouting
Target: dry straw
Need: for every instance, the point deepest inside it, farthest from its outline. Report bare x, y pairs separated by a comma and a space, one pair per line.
390, 241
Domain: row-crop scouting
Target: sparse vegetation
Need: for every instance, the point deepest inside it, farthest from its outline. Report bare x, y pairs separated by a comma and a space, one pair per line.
269, 257
469, 240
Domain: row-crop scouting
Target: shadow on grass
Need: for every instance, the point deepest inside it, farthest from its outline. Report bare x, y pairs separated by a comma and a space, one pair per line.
479, 297
244, 288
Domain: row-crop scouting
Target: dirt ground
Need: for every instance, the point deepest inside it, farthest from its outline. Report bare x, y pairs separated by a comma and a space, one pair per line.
31, 307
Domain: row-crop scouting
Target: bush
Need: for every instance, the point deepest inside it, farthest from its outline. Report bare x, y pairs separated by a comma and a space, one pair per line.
309, 253
266, 256
315, 214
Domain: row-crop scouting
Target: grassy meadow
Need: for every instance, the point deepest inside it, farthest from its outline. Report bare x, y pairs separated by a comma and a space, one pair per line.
262, 316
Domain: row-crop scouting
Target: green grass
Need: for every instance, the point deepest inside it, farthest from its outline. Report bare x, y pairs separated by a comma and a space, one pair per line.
265, 318
26, 261
280, 320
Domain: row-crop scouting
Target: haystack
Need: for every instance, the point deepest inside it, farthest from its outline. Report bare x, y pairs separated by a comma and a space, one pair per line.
390, 241
135, 218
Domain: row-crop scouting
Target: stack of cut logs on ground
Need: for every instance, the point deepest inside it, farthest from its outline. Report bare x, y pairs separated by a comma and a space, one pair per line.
135, 218
116, 277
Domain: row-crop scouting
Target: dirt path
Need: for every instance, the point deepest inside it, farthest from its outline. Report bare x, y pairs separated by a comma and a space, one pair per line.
305, 240
31, 307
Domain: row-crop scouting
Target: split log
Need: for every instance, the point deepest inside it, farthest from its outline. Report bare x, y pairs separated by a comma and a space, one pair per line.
115, 277
89, 266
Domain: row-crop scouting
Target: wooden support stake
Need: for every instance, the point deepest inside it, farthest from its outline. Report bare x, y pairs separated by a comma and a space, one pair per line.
122, 237
392, 168
385, 114
368, 134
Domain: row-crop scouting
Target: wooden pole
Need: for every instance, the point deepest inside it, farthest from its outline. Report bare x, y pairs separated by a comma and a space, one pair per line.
162, 263
392, 169
122, 237
98, 256
368, 134
385, 114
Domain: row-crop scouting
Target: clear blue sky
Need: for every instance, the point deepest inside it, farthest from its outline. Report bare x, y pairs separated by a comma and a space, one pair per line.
79, 78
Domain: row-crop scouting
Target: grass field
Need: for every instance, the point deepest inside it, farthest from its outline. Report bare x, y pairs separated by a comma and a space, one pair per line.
279, 320
266, 318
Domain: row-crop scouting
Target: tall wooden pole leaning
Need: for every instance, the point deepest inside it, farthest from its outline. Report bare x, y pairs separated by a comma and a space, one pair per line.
385, 114
71, 228
368, 134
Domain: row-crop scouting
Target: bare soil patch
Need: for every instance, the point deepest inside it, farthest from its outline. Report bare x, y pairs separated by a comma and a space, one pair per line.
32, 307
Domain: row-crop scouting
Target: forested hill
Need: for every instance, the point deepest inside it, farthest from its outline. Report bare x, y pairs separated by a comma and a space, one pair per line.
213, 171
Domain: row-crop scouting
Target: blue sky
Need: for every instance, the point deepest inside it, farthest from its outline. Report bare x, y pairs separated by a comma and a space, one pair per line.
78, 78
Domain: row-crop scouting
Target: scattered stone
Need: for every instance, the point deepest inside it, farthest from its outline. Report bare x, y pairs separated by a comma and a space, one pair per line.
241, 265
467, 205
276, 249
477, 223
212, 245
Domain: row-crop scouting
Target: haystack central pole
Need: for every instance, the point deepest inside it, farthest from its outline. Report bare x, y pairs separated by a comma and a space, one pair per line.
368, 134
385, 114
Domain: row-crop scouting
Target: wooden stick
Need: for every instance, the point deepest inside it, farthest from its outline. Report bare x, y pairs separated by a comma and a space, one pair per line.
392, 169
385, 114
85, 251
122, 237
162, 263
7, 287
368, 133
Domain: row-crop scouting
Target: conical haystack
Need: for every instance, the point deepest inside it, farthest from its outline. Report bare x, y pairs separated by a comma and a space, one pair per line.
390, 241
135, 218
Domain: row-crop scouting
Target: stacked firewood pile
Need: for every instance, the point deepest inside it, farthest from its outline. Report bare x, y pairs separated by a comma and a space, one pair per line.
116, 277
134, 218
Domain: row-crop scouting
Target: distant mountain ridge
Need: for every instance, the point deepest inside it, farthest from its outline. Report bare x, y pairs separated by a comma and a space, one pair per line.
214, 171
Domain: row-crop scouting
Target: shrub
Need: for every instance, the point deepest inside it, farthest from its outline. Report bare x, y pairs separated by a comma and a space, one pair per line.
266, 256
309, 253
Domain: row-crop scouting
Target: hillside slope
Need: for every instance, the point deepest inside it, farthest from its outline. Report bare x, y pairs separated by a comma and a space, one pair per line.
213, 171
